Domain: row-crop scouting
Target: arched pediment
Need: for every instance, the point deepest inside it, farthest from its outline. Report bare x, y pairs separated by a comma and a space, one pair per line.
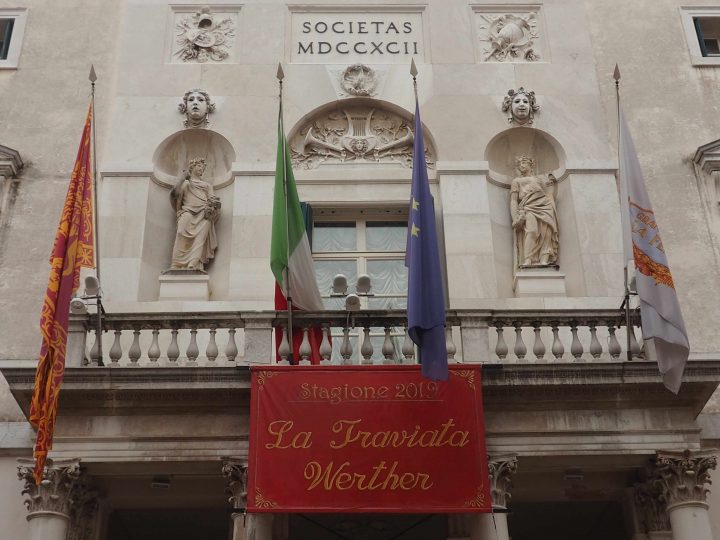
358, 131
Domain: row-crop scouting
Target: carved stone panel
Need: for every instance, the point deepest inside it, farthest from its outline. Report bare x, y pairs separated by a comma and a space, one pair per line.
356, 134
511, 34
203, 35
344, 34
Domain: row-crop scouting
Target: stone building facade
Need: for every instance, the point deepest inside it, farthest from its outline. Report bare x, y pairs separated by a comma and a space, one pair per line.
582, 442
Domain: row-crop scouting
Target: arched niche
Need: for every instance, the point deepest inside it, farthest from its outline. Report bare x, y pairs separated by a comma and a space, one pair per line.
357, 131
173, 154
502, 150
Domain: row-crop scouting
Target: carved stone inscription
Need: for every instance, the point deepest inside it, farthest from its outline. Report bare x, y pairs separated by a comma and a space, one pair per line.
347, 37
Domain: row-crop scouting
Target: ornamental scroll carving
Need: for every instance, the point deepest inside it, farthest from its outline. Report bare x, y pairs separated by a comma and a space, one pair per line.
355, 134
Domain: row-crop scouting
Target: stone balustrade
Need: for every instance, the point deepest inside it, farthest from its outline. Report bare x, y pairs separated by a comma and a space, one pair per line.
363, 337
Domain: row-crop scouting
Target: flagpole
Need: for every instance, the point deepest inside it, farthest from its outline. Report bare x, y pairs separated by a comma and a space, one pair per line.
414, 72
98, 330
626, 301
288, 296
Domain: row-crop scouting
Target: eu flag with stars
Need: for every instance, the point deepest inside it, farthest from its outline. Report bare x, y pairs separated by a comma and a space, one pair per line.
426, 298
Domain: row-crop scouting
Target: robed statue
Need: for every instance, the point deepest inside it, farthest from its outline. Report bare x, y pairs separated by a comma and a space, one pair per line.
197, 209
534, 216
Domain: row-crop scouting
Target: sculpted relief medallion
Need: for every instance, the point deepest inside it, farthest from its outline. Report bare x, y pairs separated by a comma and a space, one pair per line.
204, 37
509, 37
359, 80
355, 135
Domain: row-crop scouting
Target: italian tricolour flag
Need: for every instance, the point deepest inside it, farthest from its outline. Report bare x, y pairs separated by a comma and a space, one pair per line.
289, 236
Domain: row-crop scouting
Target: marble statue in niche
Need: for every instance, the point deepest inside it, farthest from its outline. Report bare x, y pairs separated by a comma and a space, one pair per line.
521, 106
204, 37
197, 210
196, 106
534, 216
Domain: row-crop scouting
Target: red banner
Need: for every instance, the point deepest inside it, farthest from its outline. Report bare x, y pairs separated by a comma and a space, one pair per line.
73, 249
366, 439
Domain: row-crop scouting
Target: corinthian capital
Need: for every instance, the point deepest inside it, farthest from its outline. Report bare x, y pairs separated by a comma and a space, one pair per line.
501, 469
235, 471
683, 476
56, 490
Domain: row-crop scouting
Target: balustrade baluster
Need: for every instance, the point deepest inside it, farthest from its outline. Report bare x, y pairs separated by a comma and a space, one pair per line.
614, 347
450, 344
346, 348
388, 349
408, 348
538, 346
212, 349
231, 350
305, 349
193, 351
325, 347
576, 348
366, 349
558, 349
116, 350
134, 351
501, 348
94, 350
520, 349
284, 348
595, 347
154, 350
173, 352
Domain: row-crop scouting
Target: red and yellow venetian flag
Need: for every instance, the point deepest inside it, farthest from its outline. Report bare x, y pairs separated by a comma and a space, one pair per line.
73, 249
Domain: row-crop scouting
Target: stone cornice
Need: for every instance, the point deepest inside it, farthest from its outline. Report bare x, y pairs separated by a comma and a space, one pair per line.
707, 157
505, 386
10, 162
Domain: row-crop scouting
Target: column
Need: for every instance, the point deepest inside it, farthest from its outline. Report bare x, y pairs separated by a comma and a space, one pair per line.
682, 478
494, 526
49, 504
652, 520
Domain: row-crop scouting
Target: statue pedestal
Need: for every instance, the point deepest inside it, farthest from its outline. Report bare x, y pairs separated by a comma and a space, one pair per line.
540, 281
184, 285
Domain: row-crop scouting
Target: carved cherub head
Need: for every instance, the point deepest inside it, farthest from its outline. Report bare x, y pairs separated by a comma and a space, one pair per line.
196, 106
522, 106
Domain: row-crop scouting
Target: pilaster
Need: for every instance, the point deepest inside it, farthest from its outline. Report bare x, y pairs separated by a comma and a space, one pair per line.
501, 470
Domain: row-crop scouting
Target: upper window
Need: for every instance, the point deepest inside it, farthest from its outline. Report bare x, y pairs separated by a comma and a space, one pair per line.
12, 28
6, 28
702, 31
356, 243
